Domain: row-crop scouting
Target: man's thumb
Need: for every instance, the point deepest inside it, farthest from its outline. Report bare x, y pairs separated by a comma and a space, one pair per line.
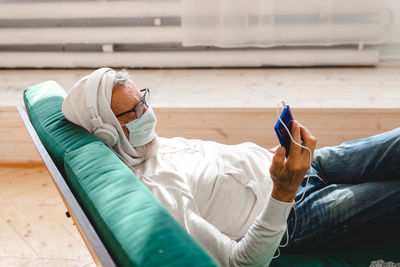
277, 161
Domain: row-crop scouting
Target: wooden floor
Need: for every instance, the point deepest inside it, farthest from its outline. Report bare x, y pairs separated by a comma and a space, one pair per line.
34, 228
236, 88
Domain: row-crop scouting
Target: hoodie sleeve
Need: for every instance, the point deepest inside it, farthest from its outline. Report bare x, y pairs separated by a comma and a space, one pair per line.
256, 248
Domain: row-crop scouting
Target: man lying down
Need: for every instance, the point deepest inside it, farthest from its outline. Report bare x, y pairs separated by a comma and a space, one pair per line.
238, 200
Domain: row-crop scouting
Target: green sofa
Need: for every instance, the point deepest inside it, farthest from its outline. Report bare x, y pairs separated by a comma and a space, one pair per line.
124, 224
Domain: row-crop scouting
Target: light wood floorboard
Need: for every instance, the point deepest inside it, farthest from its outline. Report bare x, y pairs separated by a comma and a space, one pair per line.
16, 144
35, 230
245, 88
233, 126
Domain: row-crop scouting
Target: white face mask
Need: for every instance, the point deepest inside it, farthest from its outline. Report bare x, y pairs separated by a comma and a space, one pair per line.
142, 130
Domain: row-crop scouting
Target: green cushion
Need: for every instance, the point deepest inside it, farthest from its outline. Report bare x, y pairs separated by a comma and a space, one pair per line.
43, 104
357, 255
377, 240
136, 229
127, 213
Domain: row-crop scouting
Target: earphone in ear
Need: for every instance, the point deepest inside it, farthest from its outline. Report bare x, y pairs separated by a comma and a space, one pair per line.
105, 131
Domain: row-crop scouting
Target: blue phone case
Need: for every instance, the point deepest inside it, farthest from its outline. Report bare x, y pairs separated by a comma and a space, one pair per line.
280, 130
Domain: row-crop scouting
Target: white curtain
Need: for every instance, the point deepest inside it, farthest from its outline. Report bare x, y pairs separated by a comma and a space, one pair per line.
269, 23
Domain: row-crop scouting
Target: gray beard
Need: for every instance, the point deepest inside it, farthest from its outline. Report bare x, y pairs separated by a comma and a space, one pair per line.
148, 150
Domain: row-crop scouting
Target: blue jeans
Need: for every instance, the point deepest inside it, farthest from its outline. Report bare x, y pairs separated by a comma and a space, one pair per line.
350, 185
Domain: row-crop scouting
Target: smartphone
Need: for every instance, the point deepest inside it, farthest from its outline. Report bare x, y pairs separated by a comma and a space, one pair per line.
283, 136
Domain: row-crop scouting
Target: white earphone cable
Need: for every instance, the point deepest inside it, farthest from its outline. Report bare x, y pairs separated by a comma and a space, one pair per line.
308, 178
291, 138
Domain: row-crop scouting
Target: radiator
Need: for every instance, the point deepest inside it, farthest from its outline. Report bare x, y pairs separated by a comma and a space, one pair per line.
147, 34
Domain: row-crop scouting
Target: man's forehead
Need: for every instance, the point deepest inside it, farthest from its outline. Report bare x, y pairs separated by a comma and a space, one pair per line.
124, 96
122, 88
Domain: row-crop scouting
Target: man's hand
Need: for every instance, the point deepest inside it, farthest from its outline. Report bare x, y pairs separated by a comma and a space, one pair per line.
288, 175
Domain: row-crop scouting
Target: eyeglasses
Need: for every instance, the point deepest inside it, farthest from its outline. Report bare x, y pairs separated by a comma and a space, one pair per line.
138, 108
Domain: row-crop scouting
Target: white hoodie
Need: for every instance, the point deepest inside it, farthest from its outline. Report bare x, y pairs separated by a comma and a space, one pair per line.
220, 195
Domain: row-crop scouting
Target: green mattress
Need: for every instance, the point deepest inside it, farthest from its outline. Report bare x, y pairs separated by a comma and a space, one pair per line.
134, 226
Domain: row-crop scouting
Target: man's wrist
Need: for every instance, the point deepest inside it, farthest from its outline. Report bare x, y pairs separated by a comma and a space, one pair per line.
283, 195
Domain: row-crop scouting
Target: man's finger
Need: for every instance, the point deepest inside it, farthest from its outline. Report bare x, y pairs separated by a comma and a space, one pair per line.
273, 150
308, 139
295, 149
277, 161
